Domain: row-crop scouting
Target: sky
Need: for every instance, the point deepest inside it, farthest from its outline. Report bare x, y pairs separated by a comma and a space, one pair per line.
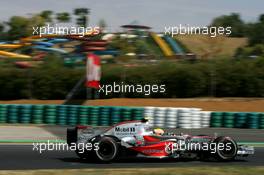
154, 13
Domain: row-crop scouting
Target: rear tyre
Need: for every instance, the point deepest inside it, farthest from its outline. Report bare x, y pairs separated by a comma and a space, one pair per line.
108, 149
230, 150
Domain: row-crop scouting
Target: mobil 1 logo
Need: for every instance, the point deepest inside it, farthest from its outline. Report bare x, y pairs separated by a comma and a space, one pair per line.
125, 130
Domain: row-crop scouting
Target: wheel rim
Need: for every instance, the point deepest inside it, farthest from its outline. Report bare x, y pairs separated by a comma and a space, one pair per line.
106, 150
226, 154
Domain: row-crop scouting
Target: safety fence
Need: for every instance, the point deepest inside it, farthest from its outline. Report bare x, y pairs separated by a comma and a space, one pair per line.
168, 117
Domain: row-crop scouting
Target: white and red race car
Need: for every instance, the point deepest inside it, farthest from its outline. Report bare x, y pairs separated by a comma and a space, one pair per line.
136, 138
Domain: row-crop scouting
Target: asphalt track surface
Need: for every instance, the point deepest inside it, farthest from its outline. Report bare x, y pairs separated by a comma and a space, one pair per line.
22, 157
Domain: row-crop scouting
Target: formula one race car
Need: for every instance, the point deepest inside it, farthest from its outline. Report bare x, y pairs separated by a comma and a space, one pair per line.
137, 138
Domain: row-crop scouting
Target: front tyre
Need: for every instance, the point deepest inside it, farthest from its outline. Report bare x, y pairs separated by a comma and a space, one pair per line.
228, 152
107, 150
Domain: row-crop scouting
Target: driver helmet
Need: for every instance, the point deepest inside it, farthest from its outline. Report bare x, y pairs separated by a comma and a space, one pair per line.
158, 131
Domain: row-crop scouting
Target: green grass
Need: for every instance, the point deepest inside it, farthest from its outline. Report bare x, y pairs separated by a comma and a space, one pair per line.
207, 47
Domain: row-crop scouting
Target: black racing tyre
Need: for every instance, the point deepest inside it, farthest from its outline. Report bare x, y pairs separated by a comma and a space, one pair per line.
108, 149
230, 150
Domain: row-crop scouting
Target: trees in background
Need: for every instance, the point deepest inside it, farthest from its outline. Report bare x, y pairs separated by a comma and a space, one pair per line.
231, 78
2, 31
255, 31
47, 15
20, 27
16, 23
82, 16
233, 20
2, 28
63, 17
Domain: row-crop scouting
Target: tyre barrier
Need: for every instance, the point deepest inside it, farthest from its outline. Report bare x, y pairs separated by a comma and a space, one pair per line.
83, 113
251, 120
115, 115
25, 114
205, 119
50, 114
126, 113
169, 117
3, 113
62, 115
93, 117
104, 119
13, 113
229, 120
163, 117
196, 118
216, 119
240, 120
137, 113
72, 115
149, 113
38, 114
171, 120
184, 118
261, 121
159, 116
